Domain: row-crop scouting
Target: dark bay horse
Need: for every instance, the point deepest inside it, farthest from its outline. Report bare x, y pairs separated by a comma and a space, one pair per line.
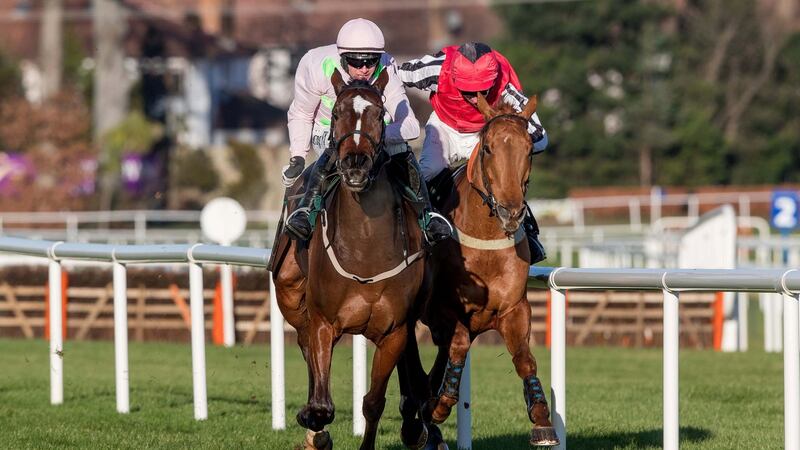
362, 269
480, 278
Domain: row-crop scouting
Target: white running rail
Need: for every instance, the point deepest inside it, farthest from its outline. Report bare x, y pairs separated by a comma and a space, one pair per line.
670, 281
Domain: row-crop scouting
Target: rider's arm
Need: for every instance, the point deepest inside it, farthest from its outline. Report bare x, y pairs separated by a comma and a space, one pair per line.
404, 126
303, 108
422, 73
514, 97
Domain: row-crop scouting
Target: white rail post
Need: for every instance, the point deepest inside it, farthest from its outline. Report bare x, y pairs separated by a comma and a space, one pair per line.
765, 299
777, 327
671, 345
278, 387
566, 254
655, 204
742, 302
558, 364
121, 338
693, 207
56, 337
226, 284
577, 215
72, 228
635, 209
359, 383
744, 206
791, 372
198, 340
140, 227
464, 411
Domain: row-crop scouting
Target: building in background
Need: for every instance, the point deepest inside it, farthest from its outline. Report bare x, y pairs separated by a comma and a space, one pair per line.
212, 70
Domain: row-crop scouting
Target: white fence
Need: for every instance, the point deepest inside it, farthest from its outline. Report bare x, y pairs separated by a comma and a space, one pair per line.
573, 209
124, 227
671, 282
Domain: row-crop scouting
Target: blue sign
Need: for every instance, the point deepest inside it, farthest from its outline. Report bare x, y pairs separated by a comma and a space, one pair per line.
785, 212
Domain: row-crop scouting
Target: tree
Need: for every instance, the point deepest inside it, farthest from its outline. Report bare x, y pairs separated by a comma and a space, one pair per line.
636, 91
585, 61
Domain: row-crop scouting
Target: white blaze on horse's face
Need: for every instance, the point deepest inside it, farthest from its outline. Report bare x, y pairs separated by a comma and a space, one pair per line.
359, 105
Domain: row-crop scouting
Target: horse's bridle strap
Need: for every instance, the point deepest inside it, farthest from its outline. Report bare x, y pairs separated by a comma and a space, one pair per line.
373, 279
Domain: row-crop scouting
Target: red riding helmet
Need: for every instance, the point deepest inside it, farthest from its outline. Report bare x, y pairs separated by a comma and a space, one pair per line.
474, 68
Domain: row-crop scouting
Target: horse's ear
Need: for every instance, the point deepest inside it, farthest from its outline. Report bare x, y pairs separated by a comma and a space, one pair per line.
337, 81
530, 108
483, 106
382, 81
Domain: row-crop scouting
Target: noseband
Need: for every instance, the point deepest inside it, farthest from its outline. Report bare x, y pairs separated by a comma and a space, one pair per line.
378, 157
488, 197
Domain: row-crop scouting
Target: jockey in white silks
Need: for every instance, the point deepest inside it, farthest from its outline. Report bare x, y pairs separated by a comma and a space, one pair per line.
358, 55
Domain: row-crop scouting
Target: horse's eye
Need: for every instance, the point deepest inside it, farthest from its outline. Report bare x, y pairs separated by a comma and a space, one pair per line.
486, 149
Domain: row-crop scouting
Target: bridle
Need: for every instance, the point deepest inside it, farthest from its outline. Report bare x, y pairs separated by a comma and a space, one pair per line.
378, 156
495, 207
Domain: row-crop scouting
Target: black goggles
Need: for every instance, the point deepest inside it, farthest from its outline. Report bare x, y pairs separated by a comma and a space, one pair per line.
358, 63
485, 93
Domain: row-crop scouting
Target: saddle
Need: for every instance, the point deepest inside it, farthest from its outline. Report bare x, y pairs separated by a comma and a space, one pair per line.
443, 185
281, 242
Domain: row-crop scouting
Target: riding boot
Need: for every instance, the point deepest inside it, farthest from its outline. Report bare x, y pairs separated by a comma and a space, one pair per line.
298, 224
532, 232
435, 227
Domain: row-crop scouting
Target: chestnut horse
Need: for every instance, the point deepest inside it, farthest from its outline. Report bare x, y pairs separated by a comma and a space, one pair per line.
362, 269
480, 277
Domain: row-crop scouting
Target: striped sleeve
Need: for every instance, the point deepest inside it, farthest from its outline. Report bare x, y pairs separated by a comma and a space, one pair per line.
518, 101
422, 73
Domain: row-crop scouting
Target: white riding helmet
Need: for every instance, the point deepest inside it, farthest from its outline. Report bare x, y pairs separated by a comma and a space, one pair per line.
360, 36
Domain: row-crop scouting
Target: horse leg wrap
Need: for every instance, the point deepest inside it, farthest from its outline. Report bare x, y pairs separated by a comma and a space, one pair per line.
542, 434
534, 394
452, 379
448, 392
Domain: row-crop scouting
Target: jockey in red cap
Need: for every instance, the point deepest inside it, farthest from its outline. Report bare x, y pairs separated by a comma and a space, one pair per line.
455, 76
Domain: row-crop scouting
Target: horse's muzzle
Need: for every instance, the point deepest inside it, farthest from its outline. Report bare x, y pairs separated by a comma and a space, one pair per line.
510, 218
355, 169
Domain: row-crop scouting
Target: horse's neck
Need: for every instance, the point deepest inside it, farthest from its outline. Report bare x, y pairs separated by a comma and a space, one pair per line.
364, 214
471, 215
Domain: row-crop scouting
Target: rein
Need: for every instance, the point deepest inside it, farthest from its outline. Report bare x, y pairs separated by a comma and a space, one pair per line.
488, 197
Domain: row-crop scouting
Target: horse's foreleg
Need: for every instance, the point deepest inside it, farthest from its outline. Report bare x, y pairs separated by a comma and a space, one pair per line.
290, 291
386, 356
515, 328
414, 392
319, 411
451, 375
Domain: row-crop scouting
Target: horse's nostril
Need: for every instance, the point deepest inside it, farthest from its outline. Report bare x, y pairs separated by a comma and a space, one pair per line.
356, 162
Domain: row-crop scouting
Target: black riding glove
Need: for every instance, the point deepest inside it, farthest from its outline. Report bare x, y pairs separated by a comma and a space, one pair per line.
292, 171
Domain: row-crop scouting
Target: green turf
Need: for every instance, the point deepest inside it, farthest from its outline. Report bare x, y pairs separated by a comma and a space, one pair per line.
614, 399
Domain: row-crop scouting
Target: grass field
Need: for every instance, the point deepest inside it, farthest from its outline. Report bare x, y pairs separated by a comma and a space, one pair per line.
614, 399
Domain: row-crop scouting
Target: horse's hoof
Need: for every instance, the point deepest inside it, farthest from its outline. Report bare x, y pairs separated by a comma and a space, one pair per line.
414, 434
318, 440
442, 409
543, 437
435, 439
